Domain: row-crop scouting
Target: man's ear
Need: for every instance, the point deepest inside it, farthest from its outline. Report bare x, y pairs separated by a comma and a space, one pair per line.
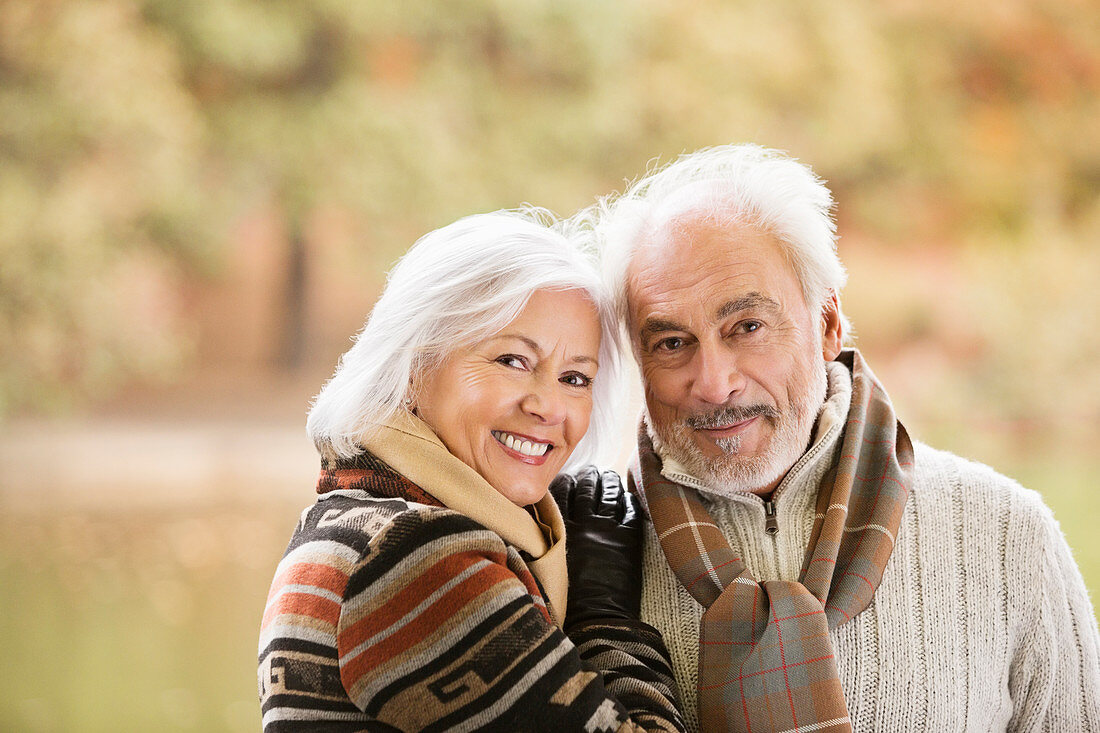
832, 327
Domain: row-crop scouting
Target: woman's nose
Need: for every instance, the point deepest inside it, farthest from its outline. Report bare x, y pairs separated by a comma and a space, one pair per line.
545, 403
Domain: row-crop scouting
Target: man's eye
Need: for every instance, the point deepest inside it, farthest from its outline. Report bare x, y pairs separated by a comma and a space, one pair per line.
511, 360
750, 326
576, 379
673, 343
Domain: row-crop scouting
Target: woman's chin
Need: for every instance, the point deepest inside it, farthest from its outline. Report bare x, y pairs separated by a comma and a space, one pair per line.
520, 490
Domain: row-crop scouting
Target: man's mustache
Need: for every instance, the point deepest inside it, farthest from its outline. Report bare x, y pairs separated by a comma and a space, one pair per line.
727, 415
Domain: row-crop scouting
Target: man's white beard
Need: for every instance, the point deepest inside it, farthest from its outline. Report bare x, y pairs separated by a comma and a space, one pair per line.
735, 473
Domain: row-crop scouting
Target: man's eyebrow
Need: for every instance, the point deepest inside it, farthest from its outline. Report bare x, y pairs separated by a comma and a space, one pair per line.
745, 302
658, 325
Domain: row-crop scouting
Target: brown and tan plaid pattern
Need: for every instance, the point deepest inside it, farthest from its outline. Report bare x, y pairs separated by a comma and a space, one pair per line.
766, 660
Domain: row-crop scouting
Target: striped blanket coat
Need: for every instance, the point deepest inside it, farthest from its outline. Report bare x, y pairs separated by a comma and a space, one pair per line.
390, 612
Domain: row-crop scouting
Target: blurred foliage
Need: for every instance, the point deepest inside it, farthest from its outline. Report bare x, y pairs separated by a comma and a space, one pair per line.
140, 140
135, 133
100, 151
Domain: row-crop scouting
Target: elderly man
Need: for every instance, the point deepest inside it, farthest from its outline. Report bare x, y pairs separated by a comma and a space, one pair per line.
811, 567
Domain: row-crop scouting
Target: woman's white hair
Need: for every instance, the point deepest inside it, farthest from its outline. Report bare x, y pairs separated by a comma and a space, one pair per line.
455, 287
726, 185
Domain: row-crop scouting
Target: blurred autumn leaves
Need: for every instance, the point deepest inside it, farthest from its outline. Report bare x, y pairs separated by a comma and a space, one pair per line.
143, 142
192, 186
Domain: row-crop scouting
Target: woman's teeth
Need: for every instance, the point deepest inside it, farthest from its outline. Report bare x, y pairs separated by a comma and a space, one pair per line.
526, 447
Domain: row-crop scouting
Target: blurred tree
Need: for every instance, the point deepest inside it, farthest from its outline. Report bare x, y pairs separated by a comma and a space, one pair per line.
133, 132
930, 119
101, 199
401, 120
136, 135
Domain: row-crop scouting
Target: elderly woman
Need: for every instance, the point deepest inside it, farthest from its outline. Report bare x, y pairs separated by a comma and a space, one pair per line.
426, 587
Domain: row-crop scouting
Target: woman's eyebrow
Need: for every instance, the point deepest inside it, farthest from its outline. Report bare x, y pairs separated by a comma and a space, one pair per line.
528, 341
534, 346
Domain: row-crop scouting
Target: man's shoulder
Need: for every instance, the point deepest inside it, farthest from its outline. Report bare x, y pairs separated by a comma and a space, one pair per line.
942, 476
934, 465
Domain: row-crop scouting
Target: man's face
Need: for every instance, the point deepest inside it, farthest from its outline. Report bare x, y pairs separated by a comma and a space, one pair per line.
732, 358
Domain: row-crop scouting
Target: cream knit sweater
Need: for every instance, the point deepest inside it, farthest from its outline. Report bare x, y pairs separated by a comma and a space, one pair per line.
981, 622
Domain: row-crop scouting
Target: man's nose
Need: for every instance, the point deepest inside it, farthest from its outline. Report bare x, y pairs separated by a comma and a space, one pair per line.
717, 376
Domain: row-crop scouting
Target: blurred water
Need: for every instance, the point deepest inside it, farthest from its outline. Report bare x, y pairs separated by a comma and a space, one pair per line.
135, 558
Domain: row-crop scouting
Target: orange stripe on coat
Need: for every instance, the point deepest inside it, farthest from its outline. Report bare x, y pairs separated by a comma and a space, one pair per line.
427, 622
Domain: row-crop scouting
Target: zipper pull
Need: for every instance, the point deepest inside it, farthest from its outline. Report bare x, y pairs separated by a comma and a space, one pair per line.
771, 526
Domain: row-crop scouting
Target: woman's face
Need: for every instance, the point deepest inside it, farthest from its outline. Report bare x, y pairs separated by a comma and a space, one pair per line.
514, 406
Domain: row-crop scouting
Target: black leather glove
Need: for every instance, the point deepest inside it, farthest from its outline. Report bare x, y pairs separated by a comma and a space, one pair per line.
603, 531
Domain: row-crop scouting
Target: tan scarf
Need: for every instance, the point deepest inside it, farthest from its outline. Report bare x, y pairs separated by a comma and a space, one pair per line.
409, 446
766, 662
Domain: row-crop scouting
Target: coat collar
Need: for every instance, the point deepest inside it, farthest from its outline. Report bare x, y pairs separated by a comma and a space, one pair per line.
411, 447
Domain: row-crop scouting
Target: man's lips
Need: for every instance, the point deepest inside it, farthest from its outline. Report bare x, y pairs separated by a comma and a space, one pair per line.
730, 430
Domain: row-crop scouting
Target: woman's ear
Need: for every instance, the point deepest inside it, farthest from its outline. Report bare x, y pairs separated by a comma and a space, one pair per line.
409, 403
832, 327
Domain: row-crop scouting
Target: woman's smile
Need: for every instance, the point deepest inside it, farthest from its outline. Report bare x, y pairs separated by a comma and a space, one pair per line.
527, 448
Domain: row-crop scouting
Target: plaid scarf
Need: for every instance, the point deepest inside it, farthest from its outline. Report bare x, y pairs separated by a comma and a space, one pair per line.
766, 662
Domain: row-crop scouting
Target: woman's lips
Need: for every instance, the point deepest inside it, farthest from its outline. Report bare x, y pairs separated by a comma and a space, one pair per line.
524, 448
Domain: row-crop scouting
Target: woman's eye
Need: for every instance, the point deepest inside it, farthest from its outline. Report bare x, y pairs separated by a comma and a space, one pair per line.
511, 360
576, 379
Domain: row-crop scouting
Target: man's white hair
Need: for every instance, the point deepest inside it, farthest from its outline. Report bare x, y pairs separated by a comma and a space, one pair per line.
455, 287
726, 185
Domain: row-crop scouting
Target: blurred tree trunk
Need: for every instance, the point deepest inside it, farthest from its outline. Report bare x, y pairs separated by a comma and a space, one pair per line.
292, 325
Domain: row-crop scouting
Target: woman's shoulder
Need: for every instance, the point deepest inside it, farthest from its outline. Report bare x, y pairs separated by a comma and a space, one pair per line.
367, 524
356, 517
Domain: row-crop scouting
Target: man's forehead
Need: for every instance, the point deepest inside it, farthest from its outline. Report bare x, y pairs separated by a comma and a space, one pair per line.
688, 244
673, 242
700, 263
